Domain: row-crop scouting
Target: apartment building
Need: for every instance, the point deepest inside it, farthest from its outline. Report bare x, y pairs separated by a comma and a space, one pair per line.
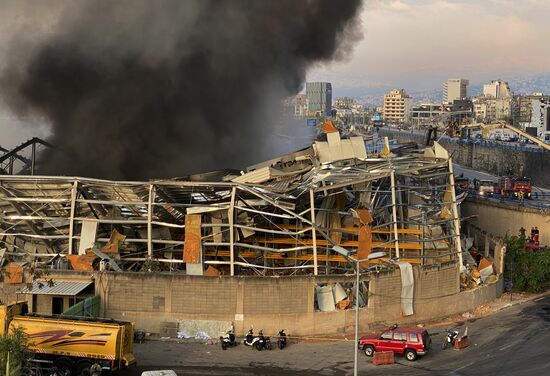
397, 106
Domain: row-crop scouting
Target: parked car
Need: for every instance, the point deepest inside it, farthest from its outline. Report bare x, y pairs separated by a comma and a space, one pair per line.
409, 342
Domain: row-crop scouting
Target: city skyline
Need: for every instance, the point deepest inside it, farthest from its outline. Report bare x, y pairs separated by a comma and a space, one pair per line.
415, 45
418, 45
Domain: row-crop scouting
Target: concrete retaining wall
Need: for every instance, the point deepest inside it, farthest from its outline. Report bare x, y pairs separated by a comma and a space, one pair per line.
287, 302
503, 219
497, 159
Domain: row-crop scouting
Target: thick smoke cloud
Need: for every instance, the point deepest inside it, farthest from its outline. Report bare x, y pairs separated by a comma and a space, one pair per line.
150, 89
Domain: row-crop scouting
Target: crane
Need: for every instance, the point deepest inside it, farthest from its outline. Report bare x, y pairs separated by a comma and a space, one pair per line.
503, 124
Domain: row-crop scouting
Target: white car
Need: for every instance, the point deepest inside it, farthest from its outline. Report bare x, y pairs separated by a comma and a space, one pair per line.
166, 372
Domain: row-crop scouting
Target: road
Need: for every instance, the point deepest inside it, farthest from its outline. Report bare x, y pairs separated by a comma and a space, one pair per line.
540, 196
480, 175
513, 341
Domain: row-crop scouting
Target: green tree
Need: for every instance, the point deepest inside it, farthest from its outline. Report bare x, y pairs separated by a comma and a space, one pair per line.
530, 271
16, 345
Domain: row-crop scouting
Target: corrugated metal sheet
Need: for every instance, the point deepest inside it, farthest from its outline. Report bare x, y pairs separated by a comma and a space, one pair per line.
59, 288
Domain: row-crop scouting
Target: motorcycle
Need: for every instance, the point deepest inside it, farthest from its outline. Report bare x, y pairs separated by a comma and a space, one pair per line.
281, 342
267, 343
250, 339
449, 339
263, 342
139, 336
228, 340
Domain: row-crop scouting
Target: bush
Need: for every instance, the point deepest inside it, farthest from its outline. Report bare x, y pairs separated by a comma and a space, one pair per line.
530, 271
19, 354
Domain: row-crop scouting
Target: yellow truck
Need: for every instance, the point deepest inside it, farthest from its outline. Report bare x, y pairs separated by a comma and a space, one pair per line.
72, 345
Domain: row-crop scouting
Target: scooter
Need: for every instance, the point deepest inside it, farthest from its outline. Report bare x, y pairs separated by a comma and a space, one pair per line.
250, 339
281, 342
228, 340
449, 340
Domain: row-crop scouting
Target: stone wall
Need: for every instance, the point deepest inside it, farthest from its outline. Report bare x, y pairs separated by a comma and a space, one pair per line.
498, 159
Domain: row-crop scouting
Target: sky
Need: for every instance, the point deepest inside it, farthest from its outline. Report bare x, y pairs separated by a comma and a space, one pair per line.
418, 44
411, 44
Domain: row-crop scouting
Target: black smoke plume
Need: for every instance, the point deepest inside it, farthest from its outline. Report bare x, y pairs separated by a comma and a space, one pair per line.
137, 89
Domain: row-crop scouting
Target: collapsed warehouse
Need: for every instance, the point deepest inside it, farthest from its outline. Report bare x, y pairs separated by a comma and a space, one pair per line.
280, 217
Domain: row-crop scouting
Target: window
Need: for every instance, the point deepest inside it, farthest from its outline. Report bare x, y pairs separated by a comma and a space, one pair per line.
398, 336
386, 335
413, 338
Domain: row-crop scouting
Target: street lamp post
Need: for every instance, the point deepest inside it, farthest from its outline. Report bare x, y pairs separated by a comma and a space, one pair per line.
346, 253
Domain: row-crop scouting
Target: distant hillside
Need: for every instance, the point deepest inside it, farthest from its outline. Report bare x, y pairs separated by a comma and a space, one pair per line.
529, 85
520, 85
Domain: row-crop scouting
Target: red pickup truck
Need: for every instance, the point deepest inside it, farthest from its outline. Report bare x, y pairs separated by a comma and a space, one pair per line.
410, 342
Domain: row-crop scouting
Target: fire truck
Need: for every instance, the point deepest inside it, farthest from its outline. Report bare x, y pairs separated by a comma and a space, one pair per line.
515, 187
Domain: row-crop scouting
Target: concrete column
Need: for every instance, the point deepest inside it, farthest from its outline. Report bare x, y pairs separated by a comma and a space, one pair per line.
168, 296
487, 244
239, 309
311, 295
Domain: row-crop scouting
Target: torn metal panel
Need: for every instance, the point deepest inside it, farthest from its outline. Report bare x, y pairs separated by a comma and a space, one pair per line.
335, 149
217, 233
407, 288
109, 259
364, 246
14, 273
87, 235
192, 244
82, 262
325, 298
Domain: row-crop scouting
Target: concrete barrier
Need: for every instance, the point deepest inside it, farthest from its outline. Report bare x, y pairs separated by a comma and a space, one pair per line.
383, 357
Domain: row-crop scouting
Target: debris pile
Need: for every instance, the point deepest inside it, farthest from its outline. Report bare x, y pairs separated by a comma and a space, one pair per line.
475, 271
279, 217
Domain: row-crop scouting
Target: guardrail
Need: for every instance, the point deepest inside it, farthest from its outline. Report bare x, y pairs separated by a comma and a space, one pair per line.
537, 201
476, 142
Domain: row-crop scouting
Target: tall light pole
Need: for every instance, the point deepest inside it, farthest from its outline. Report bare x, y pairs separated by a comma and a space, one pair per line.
346, 253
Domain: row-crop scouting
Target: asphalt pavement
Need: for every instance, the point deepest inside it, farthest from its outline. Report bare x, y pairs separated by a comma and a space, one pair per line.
511, 342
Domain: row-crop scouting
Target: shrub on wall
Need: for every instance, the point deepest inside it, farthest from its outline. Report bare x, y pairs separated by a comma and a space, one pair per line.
530, 271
